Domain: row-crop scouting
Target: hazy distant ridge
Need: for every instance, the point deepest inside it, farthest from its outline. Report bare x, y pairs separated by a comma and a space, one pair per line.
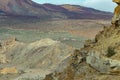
32, 9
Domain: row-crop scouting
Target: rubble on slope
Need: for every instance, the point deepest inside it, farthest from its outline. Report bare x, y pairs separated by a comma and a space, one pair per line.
45, 54
99, 59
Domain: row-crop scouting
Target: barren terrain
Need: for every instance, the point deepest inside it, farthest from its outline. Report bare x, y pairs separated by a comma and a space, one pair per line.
42, 41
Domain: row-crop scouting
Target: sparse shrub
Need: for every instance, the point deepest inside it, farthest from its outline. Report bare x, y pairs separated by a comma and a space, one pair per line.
110, 51
87, 43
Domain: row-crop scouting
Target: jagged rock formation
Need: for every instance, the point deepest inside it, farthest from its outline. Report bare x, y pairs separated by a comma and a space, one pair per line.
5, 46
116, 17
98, 60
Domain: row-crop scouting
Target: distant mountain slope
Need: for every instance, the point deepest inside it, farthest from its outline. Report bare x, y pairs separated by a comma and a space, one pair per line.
30, 8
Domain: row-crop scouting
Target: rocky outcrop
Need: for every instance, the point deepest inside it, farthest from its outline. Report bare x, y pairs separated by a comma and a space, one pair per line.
103, 52
5, 46
116, 17
117, 1
99, 57
97, 61
103, 64
8, 42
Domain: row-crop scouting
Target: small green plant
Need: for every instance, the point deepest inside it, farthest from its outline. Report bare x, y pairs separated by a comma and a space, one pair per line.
87, 43
110, 51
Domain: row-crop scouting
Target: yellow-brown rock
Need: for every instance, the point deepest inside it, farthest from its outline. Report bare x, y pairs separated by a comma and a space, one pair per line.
116, 1
9, 41
11, 70
116, 17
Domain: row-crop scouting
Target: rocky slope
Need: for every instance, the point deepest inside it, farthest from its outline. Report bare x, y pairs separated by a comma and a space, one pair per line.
53, 60
28, 8
98, 60
44, 55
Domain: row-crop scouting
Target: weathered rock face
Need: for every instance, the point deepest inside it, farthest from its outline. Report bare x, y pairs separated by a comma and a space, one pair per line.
116, 17
116, 1
102, 63
5, 46
104, 55
98, 57
97, 61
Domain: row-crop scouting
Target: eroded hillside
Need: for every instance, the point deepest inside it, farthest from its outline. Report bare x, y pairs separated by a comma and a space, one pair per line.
47, 59
19, 58
98, 60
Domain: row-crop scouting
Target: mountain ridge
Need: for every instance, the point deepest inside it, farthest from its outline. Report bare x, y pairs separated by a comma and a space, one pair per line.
65, 11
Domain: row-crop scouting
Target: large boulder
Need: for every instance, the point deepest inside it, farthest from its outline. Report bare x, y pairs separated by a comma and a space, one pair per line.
102, 64
97, 61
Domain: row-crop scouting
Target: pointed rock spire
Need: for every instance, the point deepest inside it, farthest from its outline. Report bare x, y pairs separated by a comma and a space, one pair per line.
116, 17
